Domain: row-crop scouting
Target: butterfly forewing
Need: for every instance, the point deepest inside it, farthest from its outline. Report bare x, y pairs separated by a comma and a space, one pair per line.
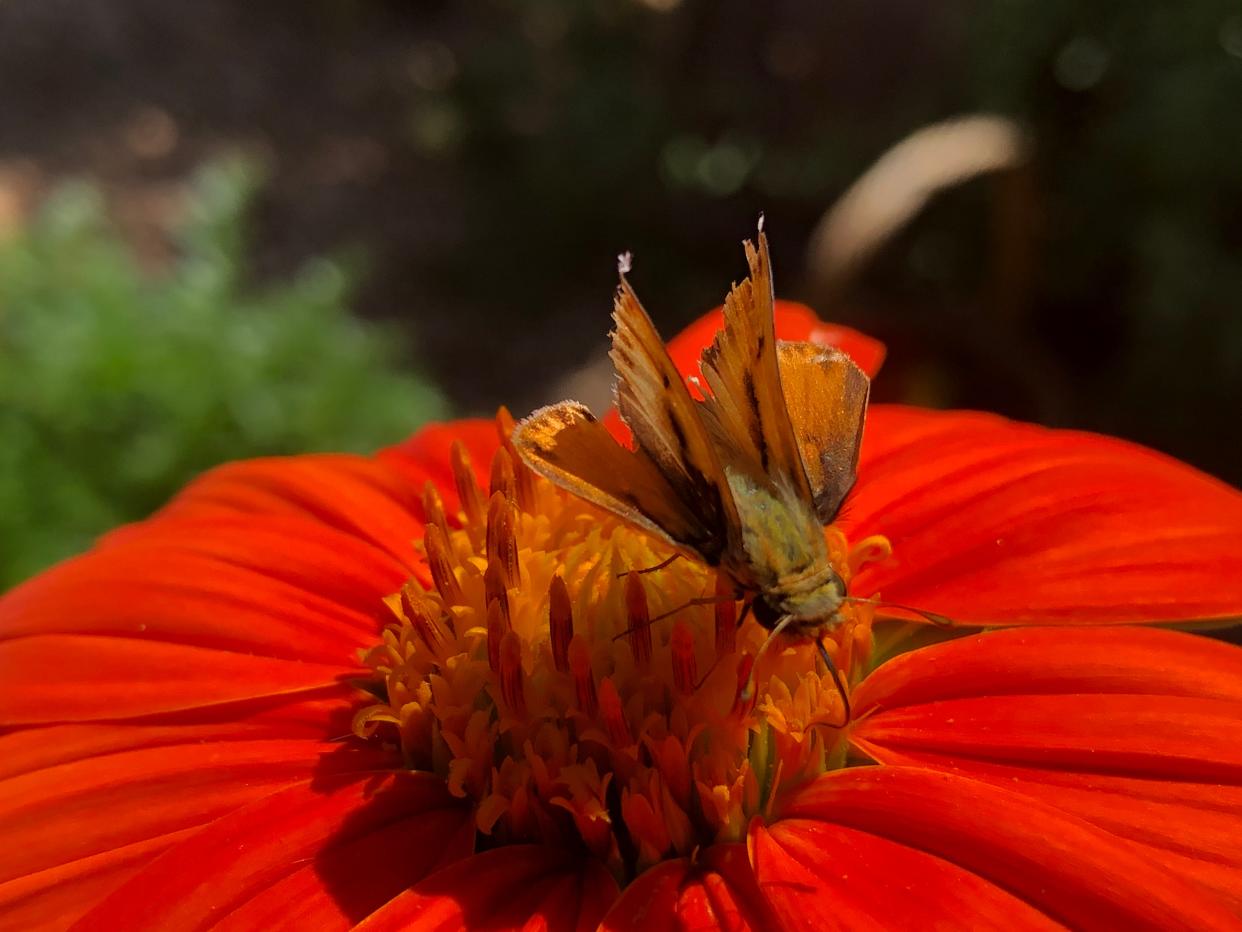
826, 397
741, 368
667, 422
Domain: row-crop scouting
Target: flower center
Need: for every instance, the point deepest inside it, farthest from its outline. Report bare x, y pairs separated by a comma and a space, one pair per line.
545, 675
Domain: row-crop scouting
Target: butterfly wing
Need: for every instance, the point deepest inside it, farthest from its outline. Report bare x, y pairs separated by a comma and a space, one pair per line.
667, 424
568, 446
826, 398
741, 368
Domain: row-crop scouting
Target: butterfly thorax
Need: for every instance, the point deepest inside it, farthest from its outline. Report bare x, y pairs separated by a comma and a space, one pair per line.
781, 552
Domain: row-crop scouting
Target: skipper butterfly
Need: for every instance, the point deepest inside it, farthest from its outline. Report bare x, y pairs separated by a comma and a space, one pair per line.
744, 477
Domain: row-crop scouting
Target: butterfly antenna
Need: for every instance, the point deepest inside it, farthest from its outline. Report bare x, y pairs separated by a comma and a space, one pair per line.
836, 679
705, 600
651, 569
710, 670
780, 626
940, 621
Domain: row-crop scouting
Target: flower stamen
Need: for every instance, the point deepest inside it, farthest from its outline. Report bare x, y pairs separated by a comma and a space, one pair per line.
681, 646
540, 682
467, 488
502, 480
524, 479
511, 678
496, 589
614, 715
560, 622
501, 544
497, 631
440, 564
639, 617
584, 679
433, 510
422, 615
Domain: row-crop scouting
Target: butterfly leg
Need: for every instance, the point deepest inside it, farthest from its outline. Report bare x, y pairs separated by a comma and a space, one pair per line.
741, 619
836, 679
651, 569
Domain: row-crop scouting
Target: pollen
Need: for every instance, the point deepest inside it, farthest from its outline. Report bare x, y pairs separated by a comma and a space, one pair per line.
553, 665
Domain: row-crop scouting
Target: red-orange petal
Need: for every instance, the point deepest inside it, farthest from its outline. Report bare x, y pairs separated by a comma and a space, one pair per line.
180, 614
716, 890
322, 854
74, 830
257, 584
527, 887
939, 848
794, 322
822, 876
55, 678
998, 522
262, 578
1138, 731
191, 663
356, 495
322, 716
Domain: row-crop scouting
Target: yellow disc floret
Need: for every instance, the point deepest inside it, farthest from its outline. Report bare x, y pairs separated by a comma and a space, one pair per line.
555, 667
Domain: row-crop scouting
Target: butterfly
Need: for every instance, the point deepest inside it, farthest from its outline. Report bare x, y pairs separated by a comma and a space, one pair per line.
741, 474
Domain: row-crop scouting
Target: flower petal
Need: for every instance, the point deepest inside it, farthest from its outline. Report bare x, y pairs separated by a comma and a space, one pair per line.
825, 876
356, 495
715, 891
1028, 661
260, 585
794, 322
998, 522
513, 887
172, 614
325, 716
962, 852
1138, 731
119, 678
319, 855
208, 604
74, 830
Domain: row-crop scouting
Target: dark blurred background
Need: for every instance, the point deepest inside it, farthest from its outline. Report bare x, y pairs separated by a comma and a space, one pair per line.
235, 228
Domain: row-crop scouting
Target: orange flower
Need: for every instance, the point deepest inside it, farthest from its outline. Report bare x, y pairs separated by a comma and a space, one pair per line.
328, 691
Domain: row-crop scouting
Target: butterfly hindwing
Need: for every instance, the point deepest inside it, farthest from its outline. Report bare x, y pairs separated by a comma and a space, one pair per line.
567, 445
826, 397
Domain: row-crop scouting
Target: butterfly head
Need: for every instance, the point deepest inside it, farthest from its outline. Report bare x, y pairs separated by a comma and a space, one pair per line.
813, 605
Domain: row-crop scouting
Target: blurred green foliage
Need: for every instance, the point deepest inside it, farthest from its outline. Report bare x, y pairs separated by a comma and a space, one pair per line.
116, 386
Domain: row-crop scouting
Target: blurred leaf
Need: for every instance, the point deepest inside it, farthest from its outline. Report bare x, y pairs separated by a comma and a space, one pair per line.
116, 386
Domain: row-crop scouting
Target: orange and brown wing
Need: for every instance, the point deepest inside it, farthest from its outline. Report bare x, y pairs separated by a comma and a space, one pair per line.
826, 397
567, 445
748, 405
667, 423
